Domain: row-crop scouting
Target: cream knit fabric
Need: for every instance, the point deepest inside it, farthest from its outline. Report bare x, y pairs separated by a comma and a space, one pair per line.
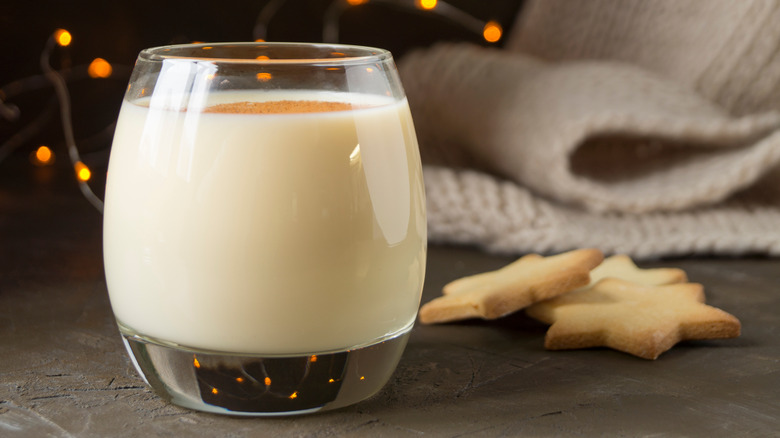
726, 50
599, 145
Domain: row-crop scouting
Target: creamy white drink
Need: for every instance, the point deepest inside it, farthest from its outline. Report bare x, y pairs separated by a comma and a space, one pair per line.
278, 234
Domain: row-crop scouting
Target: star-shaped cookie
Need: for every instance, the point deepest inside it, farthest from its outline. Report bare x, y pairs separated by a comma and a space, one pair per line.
494, 294
641, 320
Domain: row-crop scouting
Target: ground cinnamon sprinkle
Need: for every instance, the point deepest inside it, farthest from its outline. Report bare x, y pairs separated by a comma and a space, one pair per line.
279, 106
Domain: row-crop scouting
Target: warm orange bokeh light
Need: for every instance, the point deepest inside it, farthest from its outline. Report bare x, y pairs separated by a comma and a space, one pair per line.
492, 32
240, 379
356, 2
259, 40
313, 358
63, 37
195, 362
99, 68
426, 4
262, 58
214, 391
293, 395
267, 381
83, 174
44, 155
264, 76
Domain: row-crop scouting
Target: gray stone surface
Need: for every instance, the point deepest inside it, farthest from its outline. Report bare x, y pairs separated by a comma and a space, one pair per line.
64, 372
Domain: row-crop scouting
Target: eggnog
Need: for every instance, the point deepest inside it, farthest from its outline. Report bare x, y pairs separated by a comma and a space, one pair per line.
265, 223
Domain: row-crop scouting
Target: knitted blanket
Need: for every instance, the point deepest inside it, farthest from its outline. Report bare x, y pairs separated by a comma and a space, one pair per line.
525, 155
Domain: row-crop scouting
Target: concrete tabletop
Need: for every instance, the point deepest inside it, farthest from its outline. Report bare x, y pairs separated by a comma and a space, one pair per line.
64, 371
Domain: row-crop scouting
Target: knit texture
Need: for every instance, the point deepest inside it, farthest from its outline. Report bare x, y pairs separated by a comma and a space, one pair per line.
578, 139
725, 50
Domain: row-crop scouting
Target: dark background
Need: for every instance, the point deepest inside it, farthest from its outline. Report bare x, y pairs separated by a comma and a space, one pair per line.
118, 30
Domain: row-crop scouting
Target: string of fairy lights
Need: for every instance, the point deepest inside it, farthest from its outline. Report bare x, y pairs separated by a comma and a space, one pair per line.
491, 30
99, 68
44, 155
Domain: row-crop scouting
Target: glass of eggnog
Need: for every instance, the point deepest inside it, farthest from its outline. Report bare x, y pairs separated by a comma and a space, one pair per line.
264, 229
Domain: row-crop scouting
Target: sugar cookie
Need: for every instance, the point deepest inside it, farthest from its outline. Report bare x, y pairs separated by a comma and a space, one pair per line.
641, 320
494, 294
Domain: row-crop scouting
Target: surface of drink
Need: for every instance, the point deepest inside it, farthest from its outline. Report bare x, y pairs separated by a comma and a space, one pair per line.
277, 234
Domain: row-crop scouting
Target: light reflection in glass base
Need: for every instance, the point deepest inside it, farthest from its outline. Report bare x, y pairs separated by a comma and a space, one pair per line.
263, 386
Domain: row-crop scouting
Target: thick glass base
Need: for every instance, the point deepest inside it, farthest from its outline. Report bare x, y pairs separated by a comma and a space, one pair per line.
257, 385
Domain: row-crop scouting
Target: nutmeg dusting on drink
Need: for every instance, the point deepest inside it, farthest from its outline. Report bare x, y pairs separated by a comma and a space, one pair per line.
279, 107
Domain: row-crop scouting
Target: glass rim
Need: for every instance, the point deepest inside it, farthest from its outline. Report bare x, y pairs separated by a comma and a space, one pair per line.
366, 54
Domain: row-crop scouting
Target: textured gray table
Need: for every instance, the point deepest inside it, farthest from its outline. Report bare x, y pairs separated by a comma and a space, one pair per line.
64, 372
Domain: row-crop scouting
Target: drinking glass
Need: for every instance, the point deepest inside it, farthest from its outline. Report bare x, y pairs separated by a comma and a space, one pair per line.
264, 229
